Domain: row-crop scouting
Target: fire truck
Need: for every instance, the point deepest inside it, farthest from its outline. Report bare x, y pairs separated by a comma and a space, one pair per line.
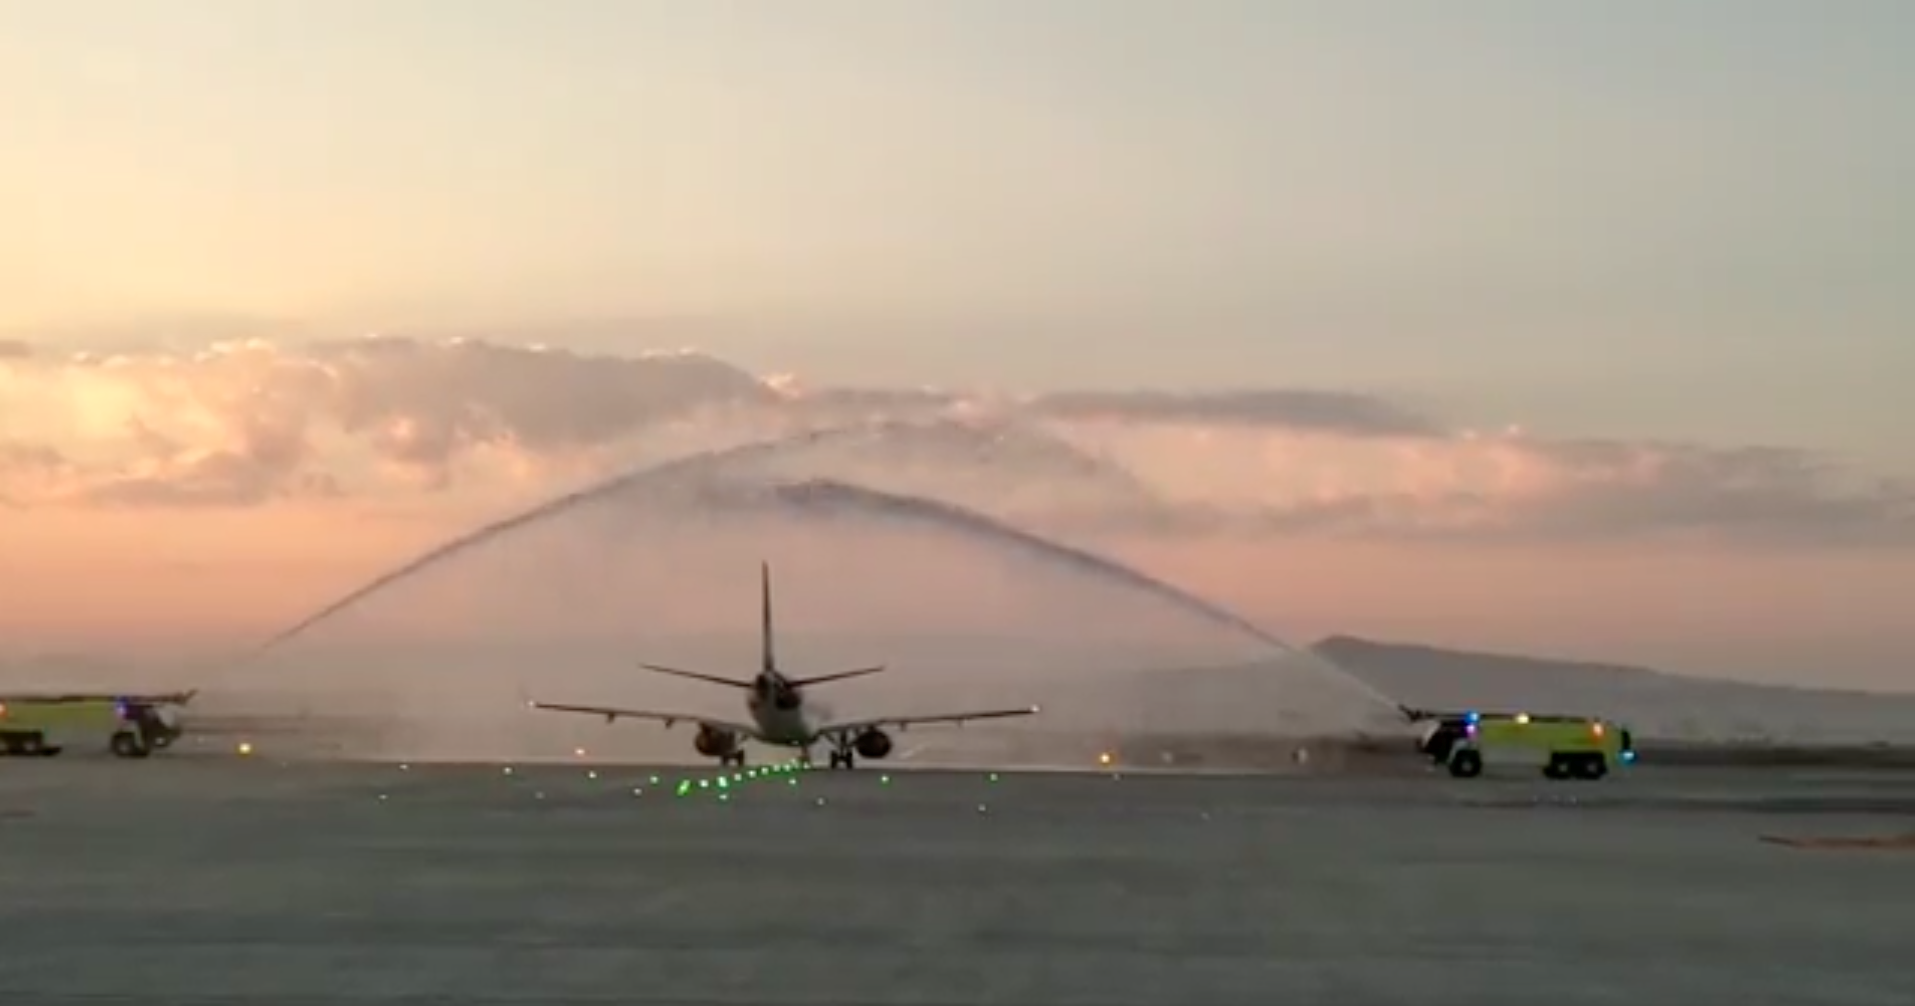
130, 726
1562, 747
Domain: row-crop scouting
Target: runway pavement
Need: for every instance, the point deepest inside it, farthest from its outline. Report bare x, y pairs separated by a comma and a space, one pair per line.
228, 880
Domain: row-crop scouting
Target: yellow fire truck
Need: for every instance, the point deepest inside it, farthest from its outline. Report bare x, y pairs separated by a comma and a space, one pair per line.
130, 726
1563, 747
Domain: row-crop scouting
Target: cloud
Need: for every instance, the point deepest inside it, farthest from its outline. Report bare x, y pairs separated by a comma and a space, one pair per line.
247, 422
1329, 411
1757, 490
451, 396
1510, 488
250, 423
26, 472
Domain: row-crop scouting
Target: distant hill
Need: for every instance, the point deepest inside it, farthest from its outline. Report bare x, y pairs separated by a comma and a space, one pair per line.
1251, 697
1657, 704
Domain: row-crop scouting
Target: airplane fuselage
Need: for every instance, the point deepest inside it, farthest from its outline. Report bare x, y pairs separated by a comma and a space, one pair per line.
778, 709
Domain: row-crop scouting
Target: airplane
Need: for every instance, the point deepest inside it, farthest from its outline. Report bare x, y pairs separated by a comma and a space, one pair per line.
778, 713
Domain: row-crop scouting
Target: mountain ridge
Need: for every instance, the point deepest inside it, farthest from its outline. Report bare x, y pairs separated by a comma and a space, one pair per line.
1656, 702
1349, 646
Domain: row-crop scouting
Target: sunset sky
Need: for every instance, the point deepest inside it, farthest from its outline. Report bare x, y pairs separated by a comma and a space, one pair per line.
1572, 329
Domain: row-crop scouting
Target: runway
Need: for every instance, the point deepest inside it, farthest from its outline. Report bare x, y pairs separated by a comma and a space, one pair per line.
228, 880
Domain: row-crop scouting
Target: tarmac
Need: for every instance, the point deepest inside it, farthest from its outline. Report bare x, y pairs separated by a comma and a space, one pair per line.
204, 879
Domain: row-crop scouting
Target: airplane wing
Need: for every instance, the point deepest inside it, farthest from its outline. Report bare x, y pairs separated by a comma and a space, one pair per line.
902, 723
667, 718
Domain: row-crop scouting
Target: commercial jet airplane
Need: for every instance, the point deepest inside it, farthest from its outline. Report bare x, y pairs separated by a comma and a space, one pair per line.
778, 713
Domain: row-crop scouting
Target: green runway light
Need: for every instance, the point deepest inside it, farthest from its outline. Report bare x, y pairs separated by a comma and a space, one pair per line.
884, 780
728, 782
653, 781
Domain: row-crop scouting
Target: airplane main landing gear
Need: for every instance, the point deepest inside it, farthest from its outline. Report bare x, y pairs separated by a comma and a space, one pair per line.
734, 758
844, 753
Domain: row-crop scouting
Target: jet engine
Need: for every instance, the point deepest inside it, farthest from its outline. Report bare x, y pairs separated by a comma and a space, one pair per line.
715, 743
873, 744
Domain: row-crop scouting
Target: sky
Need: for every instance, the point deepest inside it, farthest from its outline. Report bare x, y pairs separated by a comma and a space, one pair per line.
1574, 329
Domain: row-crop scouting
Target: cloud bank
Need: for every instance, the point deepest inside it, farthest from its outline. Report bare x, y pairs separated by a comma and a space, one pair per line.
252, 424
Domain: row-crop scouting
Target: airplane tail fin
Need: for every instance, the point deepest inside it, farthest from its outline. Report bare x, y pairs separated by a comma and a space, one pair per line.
770, 665
770, 652
770, 656
819, 679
